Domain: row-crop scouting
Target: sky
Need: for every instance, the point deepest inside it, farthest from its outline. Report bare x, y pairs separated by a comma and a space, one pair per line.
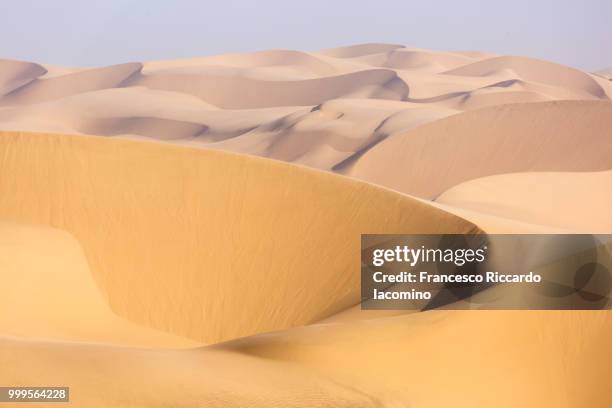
104, 32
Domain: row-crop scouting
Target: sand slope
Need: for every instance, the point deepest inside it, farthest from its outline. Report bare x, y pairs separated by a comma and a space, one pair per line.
571, 201
49, 293
502, 359
45, 89
552, 136
179, 245
459, 358
530, 69
14, 74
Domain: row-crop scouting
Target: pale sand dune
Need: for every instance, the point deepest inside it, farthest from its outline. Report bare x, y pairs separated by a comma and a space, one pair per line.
550, 136
332, 134
531, 69
14, 74
360, 50
298, 60
245, 234
49, 293
426, 60
494, 224
236, 92
605, 73
42, 90
573, 201
260, 96
138, 111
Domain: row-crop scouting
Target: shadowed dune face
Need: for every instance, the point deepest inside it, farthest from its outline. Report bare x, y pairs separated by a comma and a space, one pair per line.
231, 92
205, 244
14, 74
45, 89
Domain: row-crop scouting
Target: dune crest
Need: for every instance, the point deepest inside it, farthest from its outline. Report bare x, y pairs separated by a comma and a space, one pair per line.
547, 136
14, 74
571, 201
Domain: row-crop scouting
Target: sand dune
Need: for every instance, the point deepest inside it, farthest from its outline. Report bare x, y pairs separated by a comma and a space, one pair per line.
139, 113
14, 74
572, 201
534, 70
199, 377
606, 73
426, 60
49, 293
231, 92
45, 89
121, 259
174, 100
248, 239
550, 136
333, 133
359, 50
483, 358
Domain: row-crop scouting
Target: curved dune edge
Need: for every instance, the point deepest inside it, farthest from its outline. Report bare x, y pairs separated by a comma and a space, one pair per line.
543, 136
205, 244
49, 293
578, 202
535, 70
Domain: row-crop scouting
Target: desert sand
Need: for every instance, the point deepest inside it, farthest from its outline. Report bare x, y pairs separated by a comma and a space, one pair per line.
186, 233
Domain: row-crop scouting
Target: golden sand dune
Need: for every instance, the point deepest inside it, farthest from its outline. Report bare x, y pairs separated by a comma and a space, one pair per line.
49, 293
551, 136
447, 358
205, 244
433, 359
127, 377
